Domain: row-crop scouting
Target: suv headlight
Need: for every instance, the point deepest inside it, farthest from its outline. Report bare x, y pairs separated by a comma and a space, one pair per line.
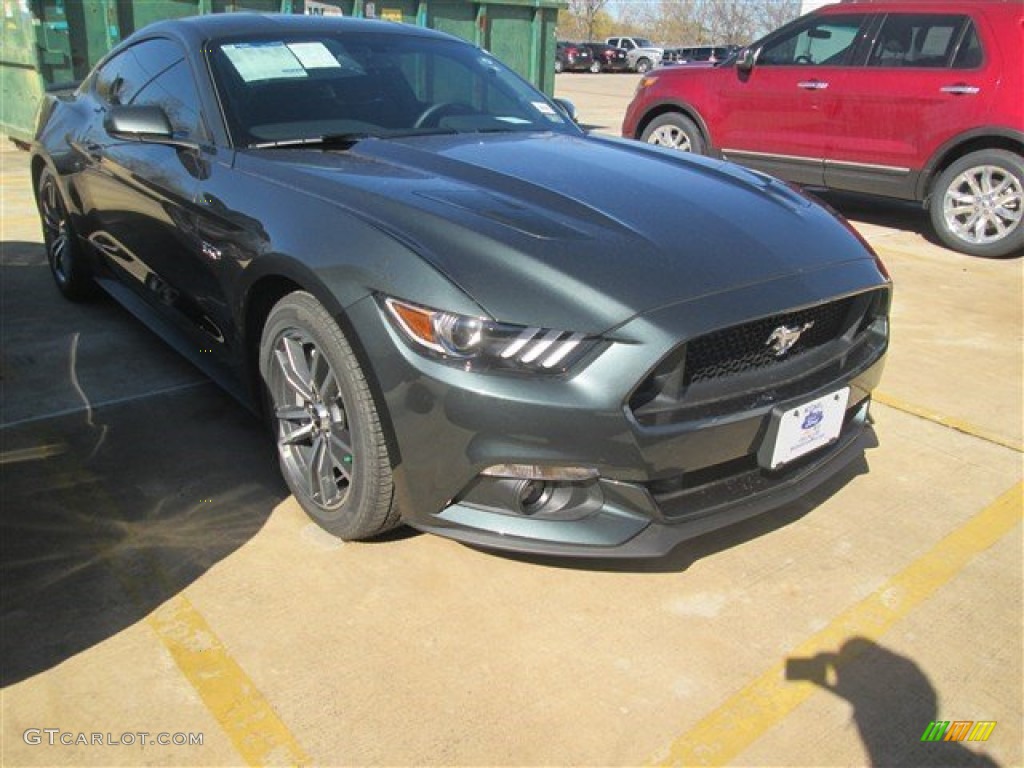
476, 342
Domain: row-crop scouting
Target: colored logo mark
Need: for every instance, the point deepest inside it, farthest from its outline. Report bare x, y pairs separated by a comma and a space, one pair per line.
958, 730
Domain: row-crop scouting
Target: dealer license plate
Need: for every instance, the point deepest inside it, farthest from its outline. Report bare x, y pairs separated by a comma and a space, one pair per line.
798, 431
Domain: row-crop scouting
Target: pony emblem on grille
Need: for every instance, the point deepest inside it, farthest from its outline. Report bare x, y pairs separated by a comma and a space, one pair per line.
783, 338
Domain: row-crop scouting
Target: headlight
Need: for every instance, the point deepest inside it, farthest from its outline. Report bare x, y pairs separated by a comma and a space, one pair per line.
473, 342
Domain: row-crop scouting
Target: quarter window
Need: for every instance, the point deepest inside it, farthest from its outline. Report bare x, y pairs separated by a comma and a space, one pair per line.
917, 40
829, 42
121, 78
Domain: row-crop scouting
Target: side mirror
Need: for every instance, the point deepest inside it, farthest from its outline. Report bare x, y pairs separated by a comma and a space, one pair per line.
147, 124
745, 60
569, 108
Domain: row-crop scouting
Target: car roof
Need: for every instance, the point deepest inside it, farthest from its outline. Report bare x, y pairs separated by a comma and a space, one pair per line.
919, 6
199, 29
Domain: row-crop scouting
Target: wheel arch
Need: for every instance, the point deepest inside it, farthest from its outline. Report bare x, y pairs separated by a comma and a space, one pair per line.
971, 141
259, 299
679, 107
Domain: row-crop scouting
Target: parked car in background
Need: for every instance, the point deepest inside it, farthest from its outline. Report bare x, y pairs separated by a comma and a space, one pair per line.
607, 58
642, 54
910, 100
429, 281
698, 53
572, 57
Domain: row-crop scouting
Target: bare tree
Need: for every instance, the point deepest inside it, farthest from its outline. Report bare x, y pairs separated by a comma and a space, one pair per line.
587, 13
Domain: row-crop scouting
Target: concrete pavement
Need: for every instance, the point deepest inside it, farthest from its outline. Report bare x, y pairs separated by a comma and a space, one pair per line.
157, 578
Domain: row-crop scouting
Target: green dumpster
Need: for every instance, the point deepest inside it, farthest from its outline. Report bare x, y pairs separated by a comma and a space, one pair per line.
52, 42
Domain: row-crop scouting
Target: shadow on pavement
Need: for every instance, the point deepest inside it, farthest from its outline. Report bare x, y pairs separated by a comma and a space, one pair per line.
893, 704
124, 473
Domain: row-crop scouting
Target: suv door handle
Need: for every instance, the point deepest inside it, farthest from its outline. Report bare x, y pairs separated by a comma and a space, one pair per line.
812, 85
961, 89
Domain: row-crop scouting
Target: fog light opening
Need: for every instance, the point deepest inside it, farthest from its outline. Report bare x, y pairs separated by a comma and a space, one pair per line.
533, 496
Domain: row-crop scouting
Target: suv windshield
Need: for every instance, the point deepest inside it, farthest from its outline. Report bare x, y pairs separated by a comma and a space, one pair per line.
370, 85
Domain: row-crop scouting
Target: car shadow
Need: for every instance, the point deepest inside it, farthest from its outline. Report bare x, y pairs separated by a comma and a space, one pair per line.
125, 475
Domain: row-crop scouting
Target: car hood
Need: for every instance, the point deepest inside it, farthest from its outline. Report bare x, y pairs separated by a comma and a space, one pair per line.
572, 232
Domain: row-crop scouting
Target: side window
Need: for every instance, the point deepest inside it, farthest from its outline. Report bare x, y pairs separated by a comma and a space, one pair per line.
627, 44
969, 55
175, 92
917, 40
826, 41
126, 74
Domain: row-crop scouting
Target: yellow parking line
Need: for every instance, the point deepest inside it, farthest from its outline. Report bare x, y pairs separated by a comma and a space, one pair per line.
947, 421
746, 715
240, 709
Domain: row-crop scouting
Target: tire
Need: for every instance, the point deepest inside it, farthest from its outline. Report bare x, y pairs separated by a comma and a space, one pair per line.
643, 65
675, 131
331, 446
68, 264
595, 67
558, 66
977, 204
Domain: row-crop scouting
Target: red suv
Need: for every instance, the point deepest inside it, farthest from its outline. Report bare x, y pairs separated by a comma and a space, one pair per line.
911, 100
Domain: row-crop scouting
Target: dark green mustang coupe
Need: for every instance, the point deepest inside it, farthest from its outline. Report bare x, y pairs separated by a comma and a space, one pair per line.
414, 264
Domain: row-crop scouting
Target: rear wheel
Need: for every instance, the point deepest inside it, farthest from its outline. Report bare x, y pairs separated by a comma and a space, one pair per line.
643, 65
330, 442
68, 265
558, 66
676, 131
978, 202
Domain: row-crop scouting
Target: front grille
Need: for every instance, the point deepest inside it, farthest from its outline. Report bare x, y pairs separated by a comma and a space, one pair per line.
737, 368
746, 347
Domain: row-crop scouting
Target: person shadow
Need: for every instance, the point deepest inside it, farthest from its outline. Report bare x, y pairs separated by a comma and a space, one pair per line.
893, 704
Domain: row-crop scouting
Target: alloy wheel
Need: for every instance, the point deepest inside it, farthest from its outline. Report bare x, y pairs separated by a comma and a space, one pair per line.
314, 439
56, 232
670, 136
983, 204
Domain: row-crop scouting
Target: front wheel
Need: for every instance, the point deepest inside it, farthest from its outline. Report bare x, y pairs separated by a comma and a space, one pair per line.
558, 66
978, 202
595, 67
675, 131
330, 441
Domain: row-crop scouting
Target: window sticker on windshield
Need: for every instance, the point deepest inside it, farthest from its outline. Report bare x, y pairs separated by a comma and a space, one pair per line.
544, 109
314, 55
263, 61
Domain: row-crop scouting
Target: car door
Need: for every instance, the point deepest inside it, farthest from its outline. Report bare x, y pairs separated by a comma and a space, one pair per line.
924, 82
144, 196
779, 116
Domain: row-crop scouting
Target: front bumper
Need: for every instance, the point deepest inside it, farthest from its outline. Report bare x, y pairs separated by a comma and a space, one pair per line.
661, 480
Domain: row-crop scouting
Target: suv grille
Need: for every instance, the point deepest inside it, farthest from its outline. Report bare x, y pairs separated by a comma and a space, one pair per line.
745, 347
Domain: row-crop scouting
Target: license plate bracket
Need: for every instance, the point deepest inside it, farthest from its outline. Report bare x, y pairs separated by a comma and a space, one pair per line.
795, 432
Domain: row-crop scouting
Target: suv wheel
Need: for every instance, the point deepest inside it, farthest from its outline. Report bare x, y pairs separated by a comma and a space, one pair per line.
675, 131
643, 65
558, 66
978, 202
595, 67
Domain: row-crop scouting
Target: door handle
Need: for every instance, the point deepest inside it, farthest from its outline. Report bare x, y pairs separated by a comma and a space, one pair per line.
961, 89
812, 85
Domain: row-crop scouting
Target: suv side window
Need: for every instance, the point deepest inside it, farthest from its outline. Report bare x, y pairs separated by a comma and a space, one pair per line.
969, 55
827, 41
917, 40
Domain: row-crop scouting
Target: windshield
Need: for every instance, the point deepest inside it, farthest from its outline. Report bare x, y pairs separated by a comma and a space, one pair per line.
376, 85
